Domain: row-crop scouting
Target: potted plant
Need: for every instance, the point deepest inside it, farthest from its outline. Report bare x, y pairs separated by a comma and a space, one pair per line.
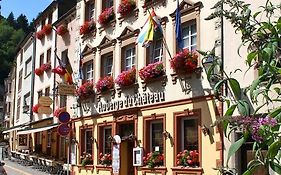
87, 27
126, 6
106, 16
59, 70
188, 158
40, 34
184, 61
126, 78
85, 91
39, 71
47, 29
62, 29
87, 159
105, 159
46, 67
104, 84
35, 108
58, 111
152, 71
153, 159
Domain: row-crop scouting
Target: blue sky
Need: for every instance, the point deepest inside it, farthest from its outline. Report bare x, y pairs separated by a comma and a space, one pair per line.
30, 8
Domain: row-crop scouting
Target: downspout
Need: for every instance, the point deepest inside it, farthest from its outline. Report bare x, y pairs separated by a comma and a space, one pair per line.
32, 79
14, 108
54, 82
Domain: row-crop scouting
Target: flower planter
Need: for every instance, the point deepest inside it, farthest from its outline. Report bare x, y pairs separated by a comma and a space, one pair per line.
106, 16
85, 91
39, 71
35, 108
154, 159
47, 29
105, 84
59, 70
62, 30
126, 7
184, 62
40, 35
126, 78
87, 27
105, 159
46, 67
151, 71
188, 158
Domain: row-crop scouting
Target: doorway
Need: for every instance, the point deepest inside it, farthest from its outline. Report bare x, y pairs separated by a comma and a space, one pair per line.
126, 131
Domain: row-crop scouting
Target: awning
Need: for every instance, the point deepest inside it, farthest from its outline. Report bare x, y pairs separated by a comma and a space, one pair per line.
14, 128
32, 130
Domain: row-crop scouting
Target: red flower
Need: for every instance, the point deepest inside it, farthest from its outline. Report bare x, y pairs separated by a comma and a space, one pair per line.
62, 29
35, 108
106, 16
87, 27
47, 29
184, 61
126, 78
85, 90
39, 71
46, 67
188, 158
154, 159
105, 84
58, 111
105, 159
40, 34
59, 70
126, 7
151, 71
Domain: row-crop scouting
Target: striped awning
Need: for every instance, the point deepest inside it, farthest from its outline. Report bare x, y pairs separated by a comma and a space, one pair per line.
39, 129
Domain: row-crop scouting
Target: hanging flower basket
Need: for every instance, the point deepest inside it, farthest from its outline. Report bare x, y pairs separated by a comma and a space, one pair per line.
188, 158
47, 29
153, 159
58, 111
39, 71
87, 27
126, 6
62, 29
46, 67
106, 16
126, 78
104, 84
35, 108
105, 159
40, 34
59, 70
184, 61
151, 71
85, 91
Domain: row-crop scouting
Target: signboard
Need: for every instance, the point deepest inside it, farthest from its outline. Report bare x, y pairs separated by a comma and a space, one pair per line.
63, 129
65, 89
137, 156
45, 110
116, 155
45, 101
64, 117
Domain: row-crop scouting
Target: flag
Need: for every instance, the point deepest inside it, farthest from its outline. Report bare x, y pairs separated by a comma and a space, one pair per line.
178, 27
81, 75
156, 22
69, 71
61, 64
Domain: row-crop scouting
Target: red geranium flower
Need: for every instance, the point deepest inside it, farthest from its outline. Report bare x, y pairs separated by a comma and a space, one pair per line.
35, 108
47, 29
39, 71
87, 27
126, 6
188, 158
106, 16
40, 34
126, 78
105, 84
59, 70
85, 90
62, 29
46, 67
151, 71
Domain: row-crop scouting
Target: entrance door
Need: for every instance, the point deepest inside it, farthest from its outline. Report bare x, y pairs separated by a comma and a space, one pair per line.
126, 149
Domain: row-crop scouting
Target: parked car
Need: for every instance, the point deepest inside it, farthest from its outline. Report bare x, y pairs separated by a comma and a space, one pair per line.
2, 170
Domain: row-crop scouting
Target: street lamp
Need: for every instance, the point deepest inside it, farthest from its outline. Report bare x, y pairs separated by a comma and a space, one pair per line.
211, 66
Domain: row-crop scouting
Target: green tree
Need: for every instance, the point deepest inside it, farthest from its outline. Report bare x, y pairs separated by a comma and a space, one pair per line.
22, 23
261, 33
11, 20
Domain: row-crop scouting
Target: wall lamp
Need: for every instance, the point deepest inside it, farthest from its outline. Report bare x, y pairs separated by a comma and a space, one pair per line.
205, 130
167, 135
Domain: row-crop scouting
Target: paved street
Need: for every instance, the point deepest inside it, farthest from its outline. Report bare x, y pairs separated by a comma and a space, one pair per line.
14, 168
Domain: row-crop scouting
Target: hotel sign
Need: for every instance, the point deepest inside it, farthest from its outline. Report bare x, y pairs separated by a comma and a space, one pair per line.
139, 99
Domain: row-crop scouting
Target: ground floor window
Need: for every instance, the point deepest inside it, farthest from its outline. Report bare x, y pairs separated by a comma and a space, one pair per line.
23, 140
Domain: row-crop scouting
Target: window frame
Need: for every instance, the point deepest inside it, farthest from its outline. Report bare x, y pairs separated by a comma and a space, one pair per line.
131, 57
83, 140
189, 24
49, 54
105, 4
20, 80
90, 10
41, 59
152, 50
28, 66
104, 63
101, 138
151, 146
86, 71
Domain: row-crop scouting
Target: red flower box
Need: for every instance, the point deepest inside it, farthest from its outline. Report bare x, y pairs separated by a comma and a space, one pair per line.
47, 29
87, 27
153, 159
46, 67
40, 34
59, 70
62, 29
188, 158
153, 70
85, 90
126, 6
184, 61
105, 84
35, 108
105, 159
106, 16
126, 78
39, 71
58, 111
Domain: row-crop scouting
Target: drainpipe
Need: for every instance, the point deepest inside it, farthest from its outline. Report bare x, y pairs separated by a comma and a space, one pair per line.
32, 78
54, 82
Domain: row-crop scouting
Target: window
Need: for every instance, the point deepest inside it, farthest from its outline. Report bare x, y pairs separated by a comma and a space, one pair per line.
189, 34
20, 81
42, 23
47, 91
41, 59
129, 57
106, 141
28, 66
90, 11
49, 138
49, 55
38, 142
107, 62
50, 18
156, 51
88, 71
156, 139
26, 99
87, 141
107, 4
40, 93
18, 108
23, 140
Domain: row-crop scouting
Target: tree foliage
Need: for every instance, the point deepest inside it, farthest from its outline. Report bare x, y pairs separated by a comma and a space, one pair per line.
261, 32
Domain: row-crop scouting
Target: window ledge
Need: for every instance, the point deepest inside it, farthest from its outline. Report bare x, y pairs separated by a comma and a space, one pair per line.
134, 13
163, 79
111, 23
86, 167
176, 75
161, 170
103, 168
183, 170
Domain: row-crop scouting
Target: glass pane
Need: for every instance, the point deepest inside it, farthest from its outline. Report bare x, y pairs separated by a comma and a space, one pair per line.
88, 141
190, 134
157, 137
193, 40
107, 143
193, 28
185, 31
